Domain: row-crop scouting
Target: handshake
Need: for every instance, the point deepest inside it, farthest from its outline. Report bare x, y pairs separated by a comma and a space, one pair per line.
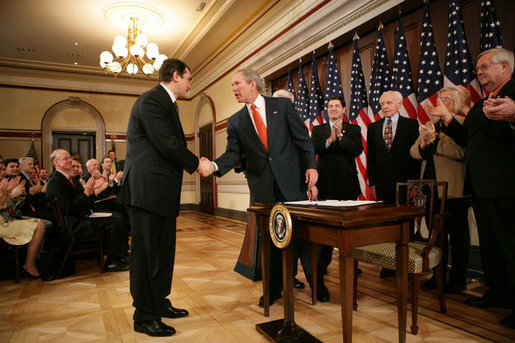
205, 167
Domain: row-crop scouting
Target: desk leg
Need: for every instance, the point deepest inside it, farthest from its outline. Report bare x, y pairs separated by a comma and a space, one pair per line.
264, 240
402, 280
346, 262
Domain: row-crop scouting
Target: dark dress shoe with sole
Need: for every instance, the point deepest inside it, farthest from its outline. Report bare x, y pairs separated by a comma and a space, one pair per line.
154, 328
322, 294
172, 312
272, 299
28, 275
116, 267
298, 284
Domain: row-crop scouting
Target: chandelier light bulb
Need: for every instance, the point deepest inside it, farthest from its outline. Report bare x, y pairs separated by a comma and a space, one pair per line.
132, 53
115, 67
152, 51
142, 41
148, 68
137, 51
132, 68
105, 58
120, 41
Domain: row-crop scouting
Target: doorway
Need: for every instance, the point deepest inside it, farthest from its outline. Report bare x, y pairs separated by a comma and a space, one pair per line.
207, 204
81, 144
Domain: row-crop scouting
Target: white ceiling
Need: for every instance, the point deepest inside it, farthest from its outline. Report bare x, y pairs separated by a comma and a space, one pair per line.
65, 32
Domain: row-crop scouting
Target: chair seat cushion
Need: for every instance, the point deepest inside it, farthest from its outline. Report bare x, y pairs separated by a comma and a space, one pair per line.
383, 255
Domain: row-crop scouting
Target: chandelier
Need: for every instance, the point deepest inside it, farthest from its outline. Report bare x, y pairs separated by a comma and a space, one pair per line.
132, 54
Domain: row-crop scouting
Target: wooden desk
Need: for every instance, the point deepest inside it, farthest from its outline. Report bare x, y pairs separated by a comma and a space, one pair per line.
344, 228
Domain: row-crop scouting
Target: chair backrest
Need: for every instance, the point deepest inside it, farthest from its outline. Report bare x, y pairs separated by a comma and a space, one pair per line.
429, 196
58, 214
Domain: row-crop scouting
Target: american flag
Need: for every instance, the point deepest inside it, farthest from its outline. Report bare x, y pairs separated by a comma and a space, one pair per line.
379, 78
358, 116
491, 36
316, 100
32, 153
291, 89
459, 69
430, 79
301, 102
401, 76
333, 85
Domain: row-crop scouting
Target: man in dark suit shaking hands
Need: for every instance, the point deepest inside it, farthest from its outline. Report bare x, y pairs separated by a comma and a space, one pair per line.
388, 149
277, 149
156, 157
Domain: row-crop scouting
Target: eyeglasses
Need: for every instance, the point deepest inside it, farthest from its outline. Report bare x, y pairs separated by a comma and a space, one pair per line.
483, 67
445, 99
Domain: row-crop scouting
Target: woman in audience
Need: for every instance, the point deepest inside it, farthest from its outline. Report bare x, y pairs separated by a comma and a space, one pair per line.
19, 231
444, 160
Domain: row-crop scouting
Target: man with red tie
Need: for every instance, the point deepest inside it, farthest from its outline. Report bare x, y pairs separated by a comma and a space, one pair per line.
277, 148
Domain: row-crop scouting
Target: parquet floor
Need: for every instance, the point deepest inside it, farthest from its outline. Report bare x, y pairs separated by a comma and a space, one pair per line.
94, 307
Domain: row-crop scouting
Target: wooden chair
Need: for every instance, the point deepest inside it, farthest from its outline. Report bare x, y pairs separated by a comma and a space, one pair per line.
14, 251
425, 254
76, 246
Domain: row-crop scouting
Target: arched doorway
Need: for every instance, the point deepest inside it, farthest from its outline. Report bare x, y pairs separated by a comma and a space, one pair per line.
54, 120
205, 119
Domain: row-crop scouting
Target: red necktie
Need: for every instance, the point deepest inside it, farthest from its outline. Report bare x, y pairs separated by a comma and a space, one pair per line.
71, 181
260, 126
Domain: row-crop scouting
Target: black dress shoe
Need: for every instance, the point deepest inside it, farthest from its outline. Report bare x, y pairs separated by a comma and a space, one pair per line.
29, 275
272, 299
455, 288
385, 272
116, 267
172, 312
509, 322
154, 327
322, 294
298, 284
482, 302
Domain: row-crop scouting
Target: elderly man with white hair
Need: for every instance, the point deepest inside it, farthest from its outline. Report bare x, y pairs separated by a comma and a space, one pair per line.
490, 143
388, 159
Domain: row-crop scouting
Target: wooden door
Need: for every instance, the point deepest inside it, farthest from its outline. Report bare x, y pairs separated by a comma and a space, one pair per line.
82, 144
207, 204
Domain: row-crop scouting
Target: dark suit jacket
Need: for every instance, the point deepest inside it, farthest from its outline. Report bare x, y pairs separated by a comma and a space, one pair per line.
120, 165
156, 155
32, 203
289, 150
490, 150
337, 172
75, 205
386, 168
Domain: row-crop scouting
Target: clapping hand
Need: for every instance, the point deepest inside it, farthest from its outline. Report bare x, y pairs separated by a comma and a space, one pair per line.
500, 109
205, 167
440, 110
428, 134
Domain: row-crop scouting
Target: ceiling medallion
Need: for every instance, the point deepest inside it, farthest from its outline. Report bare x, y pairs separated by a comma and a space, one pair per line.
120, 13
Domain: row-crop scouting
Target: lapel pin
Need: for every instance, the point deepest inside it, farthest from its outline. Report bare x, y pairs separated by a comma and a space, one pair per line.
275, 112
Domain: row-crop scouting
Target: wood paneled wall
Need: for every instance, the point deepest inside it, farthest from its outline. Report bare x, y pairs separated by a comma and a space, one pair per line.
411, 22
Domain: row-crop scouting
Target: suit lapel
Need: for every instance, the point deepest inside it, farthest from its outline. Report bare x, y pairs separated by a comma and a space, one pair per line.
247, 128
272, 112
174, 113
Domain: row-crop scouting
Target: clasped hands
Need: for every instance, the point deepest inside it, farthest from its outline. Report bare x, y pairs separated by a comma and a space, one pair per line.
427, 133
205, 167
336, 132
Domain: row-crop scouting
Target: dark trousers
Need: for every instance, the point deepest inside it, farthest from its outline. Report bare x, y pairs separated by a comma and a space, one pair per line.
456, 226
496, 228
152, 261
301, 251
116, 233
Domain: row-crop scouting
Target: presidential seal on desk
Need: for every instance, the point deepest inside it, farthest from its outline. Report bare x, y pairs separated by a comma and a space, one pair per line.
280, 226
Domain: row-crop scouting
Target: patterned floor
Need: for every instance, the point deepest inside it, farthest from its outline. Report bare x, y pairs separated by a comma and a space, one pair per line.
93, 307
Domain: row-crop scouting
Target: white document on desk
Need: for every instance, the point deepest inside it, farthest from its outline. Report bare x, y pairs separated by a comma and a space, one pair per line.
100, 215
332, 203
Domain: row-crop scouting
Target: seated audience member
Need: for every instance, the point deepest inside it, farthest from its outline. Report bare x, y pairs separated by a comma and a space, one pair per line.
11, 167
76, 203
114, 178
19, 231
43, 175
444, 160
34, 202
117, 165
